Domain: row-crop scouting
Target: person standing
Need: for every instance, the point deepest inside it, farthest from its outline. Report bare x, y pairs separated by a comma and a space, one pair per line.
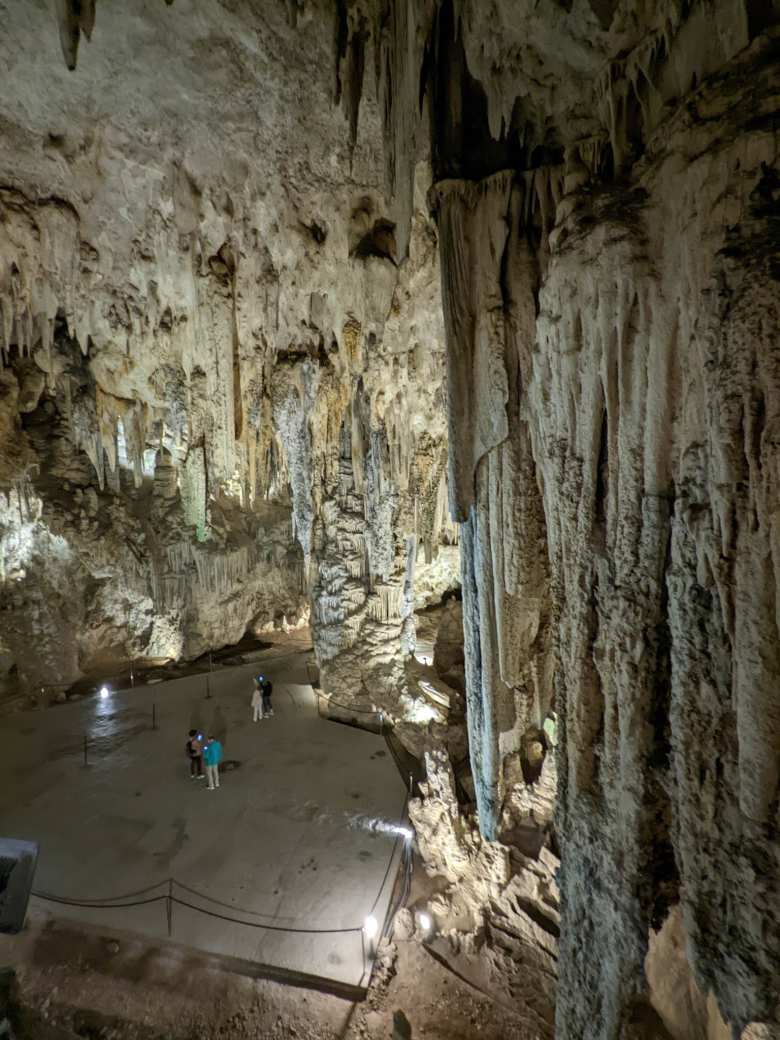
195, 753
257, 701
212, 756
267, 688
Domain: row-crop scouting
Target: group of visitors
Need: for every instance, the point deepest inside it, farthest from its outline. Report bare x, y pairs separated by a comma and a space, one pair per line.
261, 698
207, 752
204, 752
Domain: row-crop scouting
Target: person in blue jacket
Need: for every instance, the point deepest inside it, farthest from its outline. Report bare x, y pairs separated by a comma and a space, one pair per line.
212, 756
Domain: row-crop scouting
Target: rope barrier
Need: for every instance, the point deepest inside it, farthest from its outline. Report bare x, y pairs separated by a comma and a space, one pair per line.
124, 901
105, 899
267, 927
97, 906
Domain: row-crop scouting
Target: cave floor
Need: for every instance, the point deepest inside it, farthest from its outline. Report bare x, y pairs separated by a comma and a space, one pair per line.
289, 835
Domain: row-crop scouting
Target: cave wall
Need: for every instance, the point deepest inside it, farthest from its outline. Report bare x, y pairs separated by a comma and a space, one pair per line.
606, 187
202, 311
645, 424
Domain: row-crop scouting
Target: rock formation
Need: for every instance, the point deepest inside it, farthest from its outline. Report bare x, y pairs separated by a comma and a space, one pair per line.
222, 397
219, 283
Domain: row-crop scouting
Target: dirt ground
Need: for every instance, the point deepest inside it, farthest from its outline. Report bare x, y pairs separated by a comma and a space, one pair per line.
75, 982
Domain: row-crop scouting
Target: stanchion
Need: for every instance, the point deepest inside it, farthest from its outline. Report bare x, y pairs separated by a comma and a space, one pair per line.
411, 785
132, 674
169, 907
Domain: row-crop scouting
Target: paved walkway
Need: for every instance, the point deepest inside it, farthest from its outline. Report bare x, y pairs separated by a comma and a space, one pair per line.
300, 833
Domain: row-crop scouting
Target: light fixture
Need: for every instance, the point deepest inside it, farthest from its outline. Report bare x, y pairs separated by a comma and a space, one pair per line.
104, 693
370, 927
425, 922
404, 832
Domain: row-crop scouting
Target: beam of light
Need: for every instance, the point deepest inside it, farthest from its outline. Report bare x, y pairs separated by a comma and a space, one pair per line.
375, 825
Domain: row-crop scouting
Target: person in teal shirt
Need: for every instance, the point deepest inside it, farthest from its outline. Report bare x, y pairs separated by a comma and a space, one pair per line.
212, 756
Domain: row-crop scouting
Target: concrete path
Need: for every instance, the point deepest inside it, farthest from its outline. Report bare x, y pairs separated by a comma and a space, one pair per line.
300, 834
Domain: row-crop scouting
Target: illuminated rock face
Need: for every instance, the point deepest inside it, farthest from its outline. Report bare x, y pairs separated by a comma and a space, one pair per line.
213, 273
222, 401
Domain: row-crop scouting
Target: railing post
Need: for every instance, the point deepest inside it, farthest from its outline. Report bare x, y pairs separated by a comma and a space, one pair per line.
132, 674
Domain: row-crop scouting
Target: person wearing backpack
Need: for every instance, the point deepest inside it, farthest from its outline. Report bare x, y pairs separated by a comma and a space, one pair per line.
195, 755
257, 700
212, 756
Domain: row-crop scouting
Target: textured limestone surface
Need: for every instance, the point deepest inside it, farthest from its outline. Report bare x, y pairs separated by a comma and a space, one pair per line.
606, 190
221, 397
243, 245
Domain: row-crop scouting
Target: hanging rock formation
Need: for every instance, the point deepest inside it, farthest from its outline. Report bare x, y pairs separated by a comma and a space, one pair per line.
230, 261
606, 194
221, 397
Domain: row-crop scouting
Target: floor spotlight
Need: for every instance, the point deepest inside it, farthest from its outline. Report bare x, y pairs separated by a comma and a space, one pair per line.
425, 923
104, 693
371, 927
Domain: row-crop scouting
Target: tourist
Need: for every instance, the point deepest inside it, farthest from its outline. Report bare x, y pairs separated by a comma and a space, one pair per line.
257, 700
268, 688
212, 756
195, 753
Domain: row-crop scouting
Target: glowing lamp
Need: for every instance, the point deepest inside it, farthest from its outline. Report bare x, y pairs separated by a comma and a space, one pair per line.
104, 693
370, 927
425, 922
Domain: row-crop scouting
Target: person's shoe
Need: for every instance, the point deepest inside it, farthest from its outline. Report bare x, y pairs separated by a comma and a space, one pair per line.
201, 776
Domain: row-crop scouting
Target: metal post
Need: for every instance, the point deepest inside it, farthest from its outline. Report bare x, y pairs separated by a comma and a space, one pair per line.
169, 907
132, 674
411, 785
85, 750
381, 723
211, 666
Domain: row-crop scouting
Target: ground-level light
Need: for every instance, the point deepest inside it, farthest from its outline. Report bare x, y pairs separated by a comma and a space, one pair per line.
104, 691
425, 922
370, 926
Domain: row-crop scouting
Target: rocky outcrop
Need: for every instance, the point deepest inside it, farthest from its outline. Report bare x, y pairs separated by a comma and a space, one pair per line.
213, 263
496, 919
642, 414
605, 193
210, 353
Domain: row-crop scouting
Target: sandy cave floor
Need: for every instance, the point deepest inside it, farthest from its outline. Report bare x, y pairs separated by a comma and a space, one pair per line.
76, 981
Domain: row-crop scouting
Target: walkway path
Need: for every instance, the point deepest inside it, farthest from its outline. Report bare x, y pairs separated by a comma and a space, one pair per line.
300, 833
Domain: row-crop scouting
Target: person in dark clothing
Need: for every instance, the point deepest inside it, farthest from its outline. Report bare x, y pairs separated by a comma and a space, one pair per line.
266, 688
195, 753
